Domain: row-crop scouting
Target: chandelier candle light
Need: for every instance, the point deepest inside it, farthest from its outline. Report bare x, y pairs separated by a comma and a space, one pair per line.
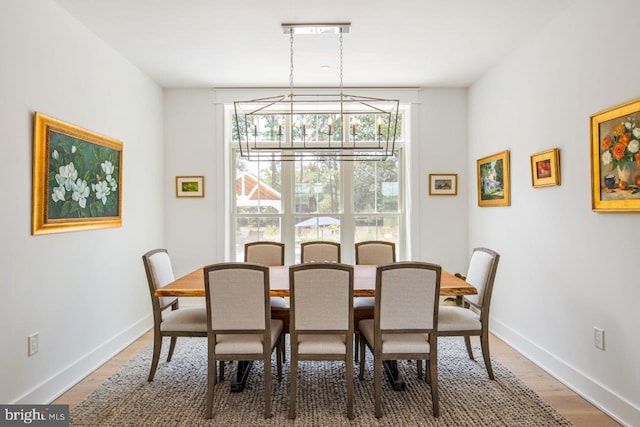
316, 125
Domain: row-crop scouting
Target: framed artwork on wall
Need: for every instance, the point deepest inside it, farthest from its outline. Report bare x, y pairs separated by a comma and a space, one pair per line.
615, 158
494, 187
545, 168
77, 178
443, 184
189, 186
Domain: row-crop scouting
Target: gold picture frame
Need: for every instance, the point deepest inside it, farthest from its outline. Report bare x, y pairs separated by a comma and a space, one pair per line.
443, 184
494, 180
545, 168
77, 178
615, 158
189, 186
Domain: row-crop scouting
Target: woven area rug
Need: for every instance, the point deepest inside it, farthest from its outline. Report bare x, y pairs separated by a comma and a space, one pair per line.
177, 395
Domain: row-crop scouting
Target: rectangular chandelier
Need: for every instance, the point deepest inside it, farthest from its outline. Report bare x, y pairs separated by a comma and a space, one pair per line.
331, 124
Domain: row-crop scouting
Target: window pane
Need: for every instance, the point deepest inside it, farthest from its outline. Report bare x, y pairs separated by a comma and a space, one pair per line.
376, 186
258, 186
377, 228
312, 228
255, 228
317, 186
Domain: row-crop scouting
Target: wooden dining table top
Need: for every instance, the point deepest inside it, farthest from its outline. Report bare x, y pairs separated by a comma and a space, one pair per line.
364, 283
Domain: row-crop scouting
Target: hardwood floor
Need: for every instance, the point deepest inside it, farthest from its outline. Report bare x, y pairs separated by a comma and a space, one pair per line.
573, 407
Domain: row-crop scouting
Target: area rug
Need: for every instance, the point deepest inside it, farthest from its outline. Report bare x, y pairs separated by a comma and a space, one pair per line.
177, 395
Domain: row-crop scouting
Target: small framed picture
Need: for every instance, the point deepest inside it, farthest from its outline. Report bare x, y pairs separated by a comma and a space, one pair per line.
545, 168
494, 183
189, 186
443, 184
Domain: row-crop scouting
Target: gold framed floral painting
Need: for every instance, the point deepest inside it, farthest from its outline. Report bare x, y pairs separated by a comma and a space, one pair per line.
615, 158
494, 180
77, 178
189, 186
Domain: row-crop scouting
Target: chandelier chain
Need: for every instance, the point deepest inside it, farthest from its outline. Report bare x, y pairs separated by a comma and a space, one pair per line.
291, 69
341, 62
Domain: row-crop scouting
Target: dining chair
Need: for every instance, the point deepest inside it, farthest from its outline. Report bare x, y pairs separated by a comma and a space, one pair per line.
270, 254
321, 323
372, 252
239, 323
472, 318
404, 324
320, 251
178, 322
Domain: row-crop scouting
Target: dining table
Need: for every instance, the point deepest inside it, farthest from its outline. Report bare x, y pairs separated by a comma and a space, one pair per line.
364, 285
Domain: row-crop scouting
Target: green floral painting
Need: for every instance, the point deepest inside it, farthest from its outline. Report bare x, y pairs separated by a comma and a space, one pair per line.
83, 178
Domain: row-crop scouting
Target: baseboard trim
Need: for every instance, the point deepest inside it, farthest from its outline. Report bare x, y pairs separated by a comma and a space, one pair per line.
58, 383
604, 399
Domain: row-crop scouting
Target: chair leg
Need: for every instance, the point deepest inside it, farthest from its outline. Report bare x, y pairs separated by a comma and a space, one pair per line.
284, 345
433, 376
377, 385
349, 379
467, 343
172, 347
293, 386
484, 344
157, 346
363, 358
279, 352
267, 385
356, 346
419, 366
211, 381
221, 370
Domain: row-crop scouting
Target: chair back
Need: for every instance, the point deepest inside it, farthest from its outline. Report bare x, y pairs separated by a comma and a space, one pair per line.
375, 252
319, 252
481, 274
237, 297
407, 297
321, 297
157, 265
266, 253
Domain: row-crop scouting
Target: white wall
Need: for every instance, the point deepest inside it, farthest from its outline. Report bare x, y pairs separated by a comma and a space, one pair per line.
84, 292
194, 146
564, 268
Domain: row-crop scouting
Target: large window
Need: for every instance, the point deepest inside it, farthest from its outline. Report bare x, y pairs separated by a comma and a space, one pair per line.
310, 199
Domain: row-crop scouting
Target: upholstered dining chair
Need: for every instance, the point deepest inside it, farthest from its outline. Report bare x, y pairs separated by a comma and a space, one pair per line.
372, 252
270, 254
405, 322
178, 322
472, 319
321, 323
239, 323
320, 251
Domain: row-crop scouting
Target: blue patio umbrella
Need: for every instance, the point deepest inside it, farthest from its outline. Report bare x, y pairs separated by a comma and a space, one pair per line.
318, 221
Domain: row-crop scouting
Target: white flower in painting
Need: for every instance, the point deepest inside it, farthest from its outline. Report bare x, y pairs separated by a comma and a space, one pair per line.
627, 125
73, 148
606, 157
80, 192
55, 154
636, 133
112, 182
633, 146
68, 174
102, 191
58, 194
107, 167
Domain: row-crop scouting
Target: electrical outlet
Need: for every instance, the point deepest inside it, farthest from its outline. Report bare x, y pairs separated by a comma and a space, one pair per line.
34, 345
598, 338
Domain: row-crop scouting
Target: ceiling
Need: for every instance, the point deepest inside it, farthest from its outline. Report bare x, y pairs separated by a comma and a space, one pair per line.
213, 43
